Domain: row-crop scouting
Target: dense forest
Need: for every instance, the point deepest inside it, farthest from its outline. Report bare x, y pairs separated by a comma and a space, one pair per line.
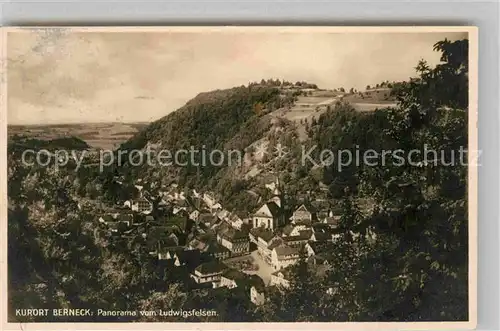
415, 270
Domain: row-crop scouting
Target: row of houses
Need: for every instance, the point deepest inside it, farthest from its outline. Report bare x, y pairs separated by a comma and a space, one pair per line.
220, 275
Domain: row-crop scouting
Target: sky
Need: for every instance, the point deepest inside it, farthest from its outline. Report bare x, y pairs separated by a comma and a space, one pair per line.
59, 76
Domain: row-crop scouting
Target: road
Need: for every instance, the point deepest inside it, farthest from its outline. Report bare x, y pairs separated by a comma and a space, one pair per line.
265, 270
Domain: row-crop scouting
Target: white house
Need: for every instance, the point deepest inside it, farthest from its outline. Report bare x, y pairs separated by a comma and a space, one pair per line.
284, 256
142, 205
209, 272
194, 215
257, 296
236, 241
281, 278
301, 215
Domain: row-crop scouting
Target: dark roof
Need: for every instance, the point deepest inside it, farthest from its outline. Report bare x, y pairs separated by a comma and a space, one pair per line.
171, 249
189, 257
256, 281
286, 250
142, 200
303, 235
274, 208
275, 243
208, 218
244, 280
321, 227
263, 233
287, 272
322, 236
216, 248
223, 227
107, 218
233, 234
319, 247
211, 267
304, 207
303, 222
234, 274
332, 221
288, 229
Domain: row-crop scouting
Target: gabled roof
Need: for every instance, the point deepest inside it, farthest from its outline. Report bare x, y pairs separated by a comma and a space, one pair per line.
320, 247
270, 209
171, 249
233, 234
302, 208
208, 218
141, 199
212, 267
275, 242
286, 272
215, 248
288, 229
285, 250
234, 274
263, 233
107, 218
322, 236
321, 227
189, 257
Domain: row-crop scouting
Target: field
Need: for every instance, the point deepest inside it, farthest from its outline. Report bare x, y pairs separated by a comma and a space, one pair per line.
308, 107
97, 135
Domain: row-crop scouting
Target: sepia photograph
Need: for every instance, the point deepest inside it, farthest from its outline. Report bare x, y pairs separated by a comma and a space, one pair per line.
240, 175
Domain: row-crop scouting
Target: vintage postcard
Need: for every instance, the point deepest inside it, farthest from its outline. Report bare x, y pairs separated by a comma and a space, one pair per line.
218, 177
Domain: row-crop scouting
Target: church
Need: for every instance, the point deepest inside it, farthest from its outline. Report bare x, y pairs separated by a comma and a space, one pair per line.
269, 215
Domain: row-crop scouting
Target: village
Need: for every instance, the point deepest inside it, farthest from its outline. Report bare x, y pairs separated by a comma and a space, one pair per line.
211, 247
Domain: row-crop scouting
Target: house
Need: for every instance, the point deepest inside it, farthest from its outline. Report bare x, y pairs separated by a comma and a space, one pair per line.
117, 222
232, 278
168, 253
218, 251
268, 216
209, 199
294, 229
236, 241
301, 215
264, 239
298, 240
223, 214
209, 272
315, 248
235, 220
180, 210
189, 258
142, 205
281, 278
160, 236
208, 220
324, 259
257, 295
194, 215
321, 236
284, 256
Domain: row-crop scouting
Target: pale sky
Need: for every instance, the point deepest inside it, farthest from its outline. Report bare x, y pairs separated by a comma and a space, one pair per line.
70, 77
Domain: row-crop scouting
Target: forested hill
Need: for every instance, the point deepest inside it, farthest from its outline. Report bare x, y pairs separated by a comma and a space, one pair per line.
211, 118
66, 143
